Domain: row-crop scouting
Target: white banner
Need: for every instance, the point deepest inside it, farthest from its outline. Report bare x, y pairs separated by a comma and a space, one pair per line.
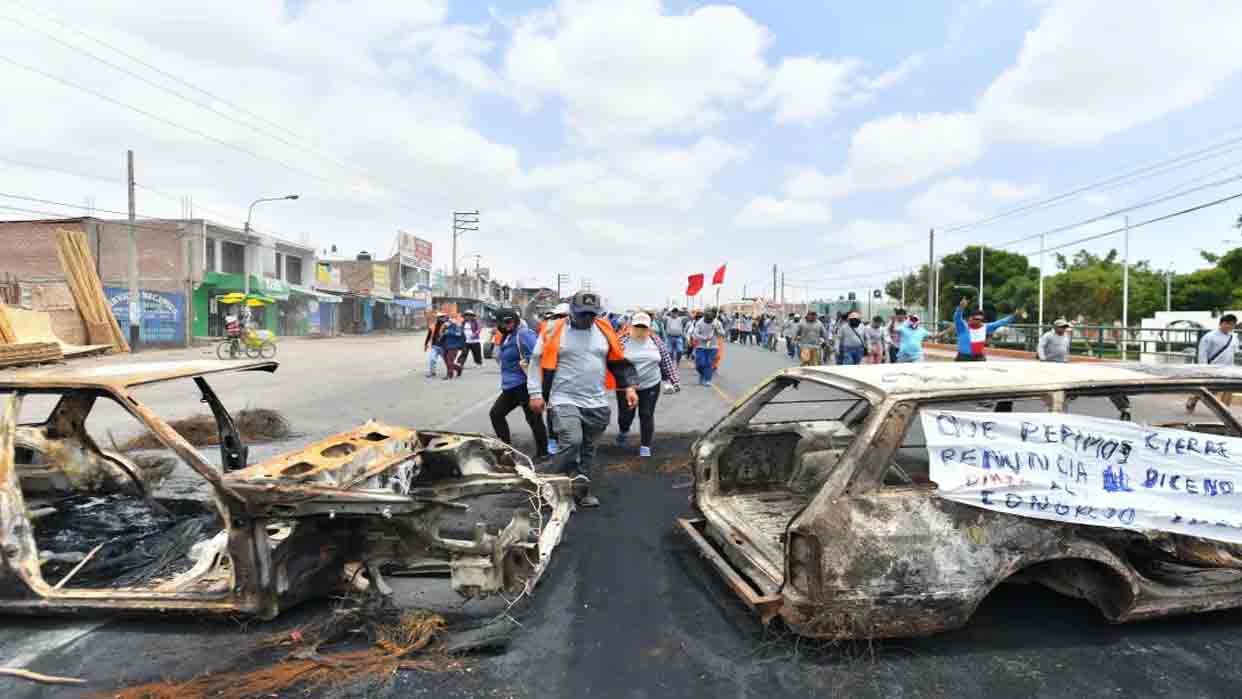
1086, 470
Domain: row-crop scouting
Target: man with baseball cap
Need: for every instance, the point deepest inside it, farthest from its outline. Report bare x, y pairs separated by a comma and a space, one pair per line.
573, 358
1054, 345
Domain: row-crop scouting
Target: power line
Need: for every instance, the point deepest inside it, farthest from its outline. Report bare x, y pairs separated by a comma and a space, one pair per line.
156, 117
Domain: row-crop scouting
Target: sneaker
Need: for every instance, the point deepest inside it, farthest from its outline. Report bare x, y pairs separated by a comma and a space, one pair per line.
552, 447
621, 437
588, 500
644, 451
707, 383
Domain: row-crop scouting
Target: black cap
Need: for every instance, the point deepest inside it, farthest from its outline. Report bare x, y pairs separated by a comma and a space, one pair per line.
505, 314
586, 302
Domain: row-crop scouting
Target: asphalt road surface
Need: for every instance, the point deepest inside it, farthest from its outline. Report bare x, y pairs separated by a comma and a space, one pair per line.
627, 608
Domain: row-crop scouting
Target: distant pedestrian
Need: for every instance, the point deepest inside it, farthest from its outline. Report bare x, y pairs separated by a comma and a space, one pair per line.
895, 323
434, 345
790, 332
973, 333
452, 339
1054, 345
675, 332
654, 366
851, 347
810, 336
911, 335
708, 335
877, 340
472, 329
1218, 348
514, 345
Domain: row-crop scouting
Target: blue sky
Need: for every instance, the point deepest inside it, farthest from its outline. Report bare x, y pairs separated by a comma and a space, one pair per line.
633, 142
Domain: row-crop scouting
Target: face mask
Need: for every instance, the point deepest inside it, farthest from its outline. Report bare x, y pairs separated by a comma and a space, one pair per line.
582, 321
854, 322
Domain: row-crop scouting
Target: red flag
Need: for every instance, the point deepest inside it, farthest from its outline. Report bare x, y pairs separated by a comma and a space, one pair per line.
695, 284
718, 277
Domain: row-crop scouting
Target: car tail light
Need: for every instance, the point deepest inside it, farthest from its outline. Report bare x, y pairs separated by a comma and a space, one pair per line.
804, 557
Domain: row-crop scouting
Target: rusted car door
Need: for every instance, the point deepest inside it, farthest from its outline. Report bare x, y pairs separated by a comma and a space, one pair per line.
20, 571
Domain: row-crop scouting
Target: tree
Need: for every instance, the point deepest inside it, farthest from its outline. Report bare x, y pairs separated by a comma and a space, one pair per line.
961, 270
1091, 287
916, 287
1205, 289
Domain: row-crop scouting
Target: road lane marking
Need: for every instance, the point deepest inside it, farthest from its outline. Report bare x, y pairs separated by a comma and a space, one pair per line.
722, 394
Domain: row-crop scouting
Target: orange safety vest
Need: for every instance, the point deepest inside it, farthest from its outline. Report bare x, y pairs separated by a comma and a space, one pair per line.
552, 348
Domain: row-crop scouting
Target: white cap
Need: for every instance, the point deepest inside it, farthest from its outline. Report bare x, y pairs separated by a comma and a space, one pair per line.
1060, 323
642, 319
562, 309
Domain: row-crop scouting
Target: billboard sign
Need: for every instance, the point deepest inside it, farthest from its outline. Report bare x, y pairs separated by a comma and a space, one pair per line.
414, 251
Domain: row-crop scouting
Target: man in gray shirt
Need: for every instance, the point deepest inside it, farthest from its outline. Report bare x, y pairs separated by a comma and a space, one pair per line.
707, 334
574, 357
1217, 348
810, 335
675, 331
1054, 345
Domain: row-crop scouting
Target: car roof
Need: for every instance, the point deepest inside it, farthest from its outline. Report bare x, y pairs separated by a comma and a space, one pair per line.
118, 376
948, 378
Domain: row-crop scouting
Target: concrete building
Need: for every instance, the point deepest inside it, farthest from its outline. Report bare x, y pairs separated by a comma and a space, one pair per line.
184, 265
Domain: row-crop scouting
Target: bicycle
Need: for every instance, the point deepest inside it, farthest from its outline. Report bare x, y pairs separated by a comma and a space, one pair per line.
256, 344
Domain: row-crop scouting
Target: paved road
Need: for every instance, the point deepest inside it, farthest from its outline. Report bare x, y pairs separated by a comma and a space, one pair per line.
628, 609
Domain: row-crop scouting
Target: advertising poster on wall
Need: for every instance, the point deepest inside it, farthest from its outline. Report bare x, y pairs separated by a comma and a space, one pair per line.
162, 315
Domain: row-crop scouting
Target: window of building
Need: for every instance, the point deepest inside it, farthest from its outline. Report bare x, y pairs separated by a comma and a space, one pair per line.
293, 269
279, 268
233, 258
209, 261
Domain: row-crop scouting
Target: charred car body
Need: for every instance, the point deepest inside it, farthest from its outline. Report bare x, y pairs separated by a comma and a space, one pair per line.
332, 515
817, 506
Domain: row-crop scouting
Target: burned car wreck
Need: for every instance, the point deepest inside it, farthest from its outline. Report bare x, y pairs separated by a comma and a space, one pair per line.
818, 506
338, 514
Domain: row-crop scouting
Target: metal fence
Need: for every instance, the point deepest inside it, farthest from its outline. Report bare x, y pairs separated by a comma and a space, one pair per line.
1152, 345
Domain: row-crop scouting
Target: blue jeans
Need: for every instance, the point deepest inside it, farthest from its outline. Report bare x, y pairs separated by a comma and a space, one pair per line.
850, 356
703, 358
432, 357
676, 346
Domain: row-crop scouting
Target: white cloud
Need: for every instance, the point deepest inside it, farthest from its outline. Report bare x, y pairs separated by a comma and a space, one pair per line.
768, 213
898, 73
1098, 200
900, 150
1093, 69
959, 200
625, 69
809, 183
806, 88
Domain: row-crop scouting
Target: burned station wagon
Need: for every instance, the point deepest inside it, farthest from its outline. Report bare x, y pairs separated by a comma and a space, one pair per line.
82, 529
818, 504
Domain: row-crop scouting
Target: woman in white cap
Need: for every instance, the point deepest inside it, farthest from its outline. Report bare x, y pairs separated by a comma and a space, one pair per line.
654, 364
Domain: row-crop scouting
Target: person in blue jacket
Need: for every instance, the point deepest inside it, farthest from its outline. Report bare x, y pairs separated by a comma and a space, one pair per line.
514, 344
973, 333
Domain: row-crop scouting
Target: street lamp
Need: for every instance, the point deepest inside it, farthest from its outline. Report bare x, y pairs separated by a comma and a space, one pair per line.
249, 214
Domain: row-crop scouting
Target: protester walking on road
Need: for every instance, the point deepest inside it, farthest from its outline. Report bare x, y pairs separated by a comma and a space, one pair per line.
877, 340
675, 331
849, 341
973, 334
895, 324
790, 332
514, 347
473, 331
911, 335
810, 336
1054, 345
573, 358
452, 340
1218, 348
708, 335
434, 345
654, 365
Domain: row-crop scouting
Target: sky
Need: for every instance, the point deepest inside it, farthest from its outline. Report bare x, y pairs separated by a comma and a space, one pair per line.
634, 142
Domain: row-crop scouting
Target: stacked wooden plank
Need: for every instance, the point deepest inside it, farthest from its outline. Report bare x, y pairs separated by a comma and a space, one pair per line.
84, 283
7, 335
22, 353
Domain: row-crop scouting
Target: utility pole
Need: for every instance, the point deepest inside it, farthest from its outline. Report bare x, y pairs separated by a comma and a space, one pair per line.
1041, 283
782, 292
903, 286
773, 283
981, 279
562, 280
931, 266
1168, 290
1125, 290
462, 221
135, 301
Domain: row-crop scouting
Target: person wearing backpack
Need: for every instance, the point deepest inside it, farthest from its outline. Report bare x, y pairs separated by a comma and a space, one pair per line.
514, 345
453, 340
1217, 348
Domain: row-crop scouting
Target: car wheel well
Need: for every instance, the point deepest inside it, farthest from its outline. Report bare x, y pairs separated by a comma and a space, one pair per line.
1094, 581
